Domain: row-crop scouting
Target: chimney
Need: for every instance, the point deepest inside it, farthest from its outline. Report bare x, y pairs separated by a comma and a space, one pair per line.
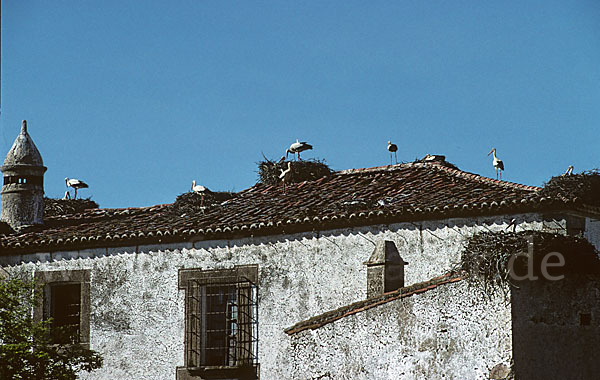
385, 269
23, 188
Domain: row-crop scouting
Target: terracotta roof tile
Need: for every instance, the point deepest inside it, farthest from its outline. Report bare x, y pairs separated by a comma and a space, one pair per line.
355, 197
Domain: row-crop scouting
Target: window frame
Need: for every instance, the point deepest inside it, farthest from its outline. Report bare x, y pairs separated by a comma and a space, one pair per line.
194, 282
46, 279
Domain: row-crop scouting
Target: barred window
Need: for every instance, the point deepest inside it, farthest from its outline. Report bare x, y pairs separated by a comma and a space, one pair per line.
62, 304
221, 334
66, 301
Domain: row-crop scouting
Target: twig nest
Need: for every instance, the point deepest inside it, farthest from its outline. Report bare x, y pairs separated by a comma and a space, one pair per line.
583, 187
302, 170
58, 207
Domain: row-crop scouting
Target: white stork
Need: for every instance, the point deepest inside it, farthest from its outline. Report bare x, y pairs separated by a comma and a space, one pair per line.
569, 171
286, 175
498, 164
298, 147
199, 189
75, 184
392, 148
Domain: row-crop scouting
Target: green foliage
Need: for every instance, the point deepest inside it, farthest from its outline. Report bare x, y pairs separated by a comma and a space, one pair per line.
26, 348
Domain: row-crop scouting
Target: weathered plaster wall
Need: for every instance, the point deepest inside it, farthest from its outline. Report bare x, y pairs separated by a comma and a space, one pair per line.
592, 232
450, 332
556, 328
137, 312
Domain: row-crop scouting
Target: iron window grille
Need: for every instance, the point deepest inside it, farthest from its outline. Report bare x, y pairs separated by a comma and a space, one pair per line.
66, 300
221, 320
63, 305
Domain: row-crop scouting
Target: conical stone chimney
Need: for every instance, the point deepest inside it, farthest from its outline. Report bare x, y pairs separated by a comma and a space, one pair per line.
23, 188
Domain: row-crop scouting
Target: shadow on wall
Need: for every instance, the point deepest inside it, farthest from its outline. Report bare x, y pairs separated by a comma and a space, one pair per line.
556, 328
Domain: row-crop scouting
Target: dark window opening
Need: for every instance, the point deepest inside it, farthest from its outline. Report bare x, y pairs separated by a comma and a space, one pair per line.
585, 319
32, 180
222, 322
64, 307
221, 329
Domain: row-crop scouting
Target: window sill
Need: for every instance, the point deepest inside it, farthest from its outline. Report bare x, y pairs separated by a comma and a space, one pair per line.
215, 373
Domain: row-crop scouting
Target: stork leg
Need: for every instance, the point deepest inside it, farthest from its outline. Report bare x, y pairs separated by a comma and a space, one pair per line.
75, 197
202, 201
396, 156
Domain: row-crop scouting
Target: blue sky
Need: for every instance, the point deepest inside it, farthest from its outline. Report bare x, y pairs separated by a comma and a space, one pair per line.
138, 98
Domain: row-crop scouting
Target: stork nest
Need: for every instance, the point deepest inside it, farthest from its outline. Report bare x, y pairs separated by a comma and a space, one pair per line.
584, 187
58, 207
487, 255
302, 170
190, 203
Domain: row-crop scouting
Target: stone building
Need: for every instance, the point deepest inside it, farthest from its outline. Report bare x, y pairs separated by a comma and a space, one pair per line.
349, 276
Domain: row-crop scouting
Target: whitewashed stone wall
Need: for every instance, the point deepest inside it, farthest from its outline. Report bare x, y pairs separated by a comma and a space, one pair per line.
592, 231
137, 311
450, 332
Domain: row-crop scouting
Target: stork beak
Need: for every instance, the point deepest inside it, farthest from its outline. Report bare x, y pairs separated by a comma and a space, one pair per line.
490, 152
287, 151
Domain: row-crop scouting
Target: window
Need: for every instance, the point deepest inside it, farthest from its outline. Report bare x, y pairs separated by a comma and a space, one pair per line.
585, 319
66, 300
221, 324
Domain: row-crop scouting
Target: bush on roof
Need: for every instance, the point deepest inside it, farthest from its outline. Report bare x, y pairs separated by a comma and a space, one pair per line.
302, 170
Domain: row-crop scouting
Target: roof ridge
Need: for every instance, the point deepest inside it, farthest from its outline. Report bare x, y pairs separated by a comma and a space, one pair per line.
456, 172
479, 177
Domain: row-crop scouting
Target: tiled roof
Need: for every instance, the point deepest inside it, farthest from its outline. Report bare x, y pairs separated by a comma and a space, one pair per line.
357, 197
357, 307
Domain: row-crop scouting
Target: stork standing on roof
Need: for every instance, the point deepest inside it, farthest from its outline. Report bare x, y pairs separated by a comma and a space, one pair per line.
286, 175
498, 164
298, 147
392, 148
569, 171
75, 184
199, 189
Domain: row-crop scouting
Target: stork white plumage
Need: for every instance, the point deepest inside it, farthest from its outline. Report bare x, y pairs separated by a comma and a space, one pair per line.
199, 189
392, 148
297, 147
569, 170
286, 175
75, 184
498, 164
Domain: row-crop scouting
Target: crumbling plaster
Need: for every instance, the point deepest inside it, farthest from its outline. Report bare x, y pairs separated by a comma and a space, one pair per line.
450, 332
592, 232
137, 312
